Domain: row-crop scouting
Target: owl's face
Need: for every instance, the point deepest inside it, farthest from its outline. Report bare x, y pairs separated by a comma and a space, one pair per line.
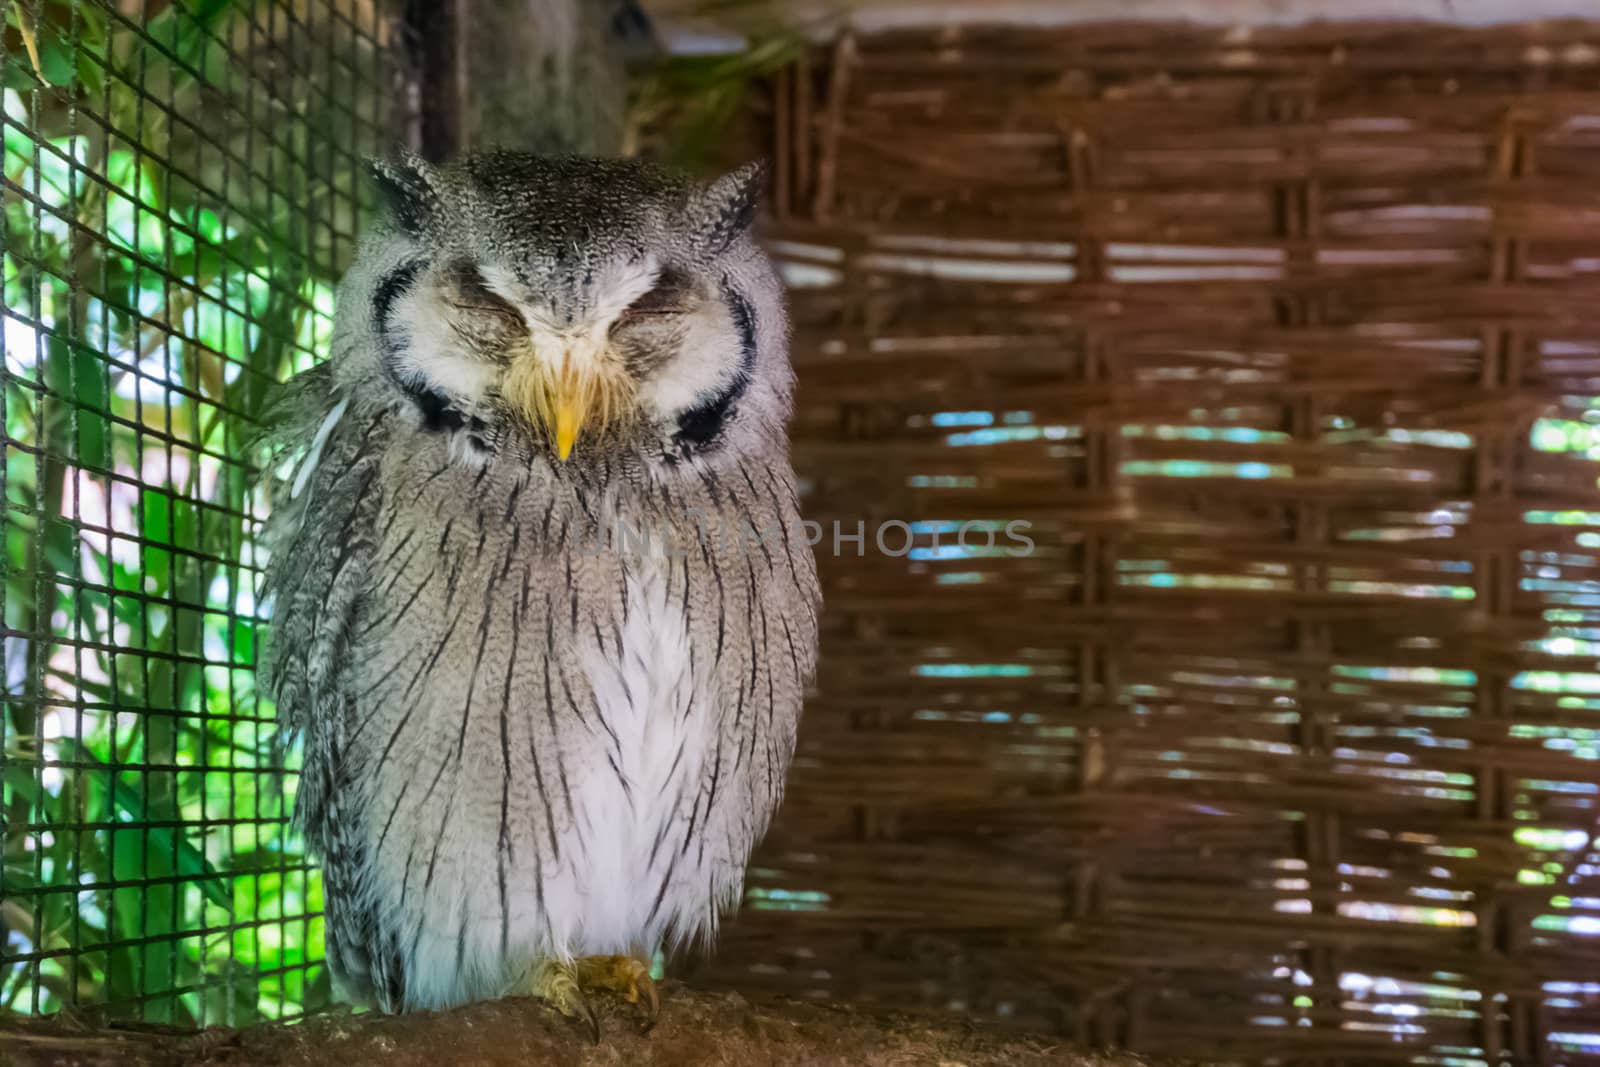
563, 310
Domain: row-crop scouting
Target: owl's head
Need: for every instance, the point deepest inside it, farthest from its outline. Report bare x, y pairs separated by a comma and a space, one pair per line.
567, 310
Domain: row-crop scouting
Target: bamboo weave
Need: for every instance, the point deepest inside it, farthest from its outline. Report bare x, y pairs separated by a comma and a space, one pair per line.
1281, 744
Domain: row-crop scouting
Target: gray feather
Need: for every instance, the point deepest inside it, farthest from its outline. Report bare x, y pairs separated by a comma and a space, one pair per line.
519, 747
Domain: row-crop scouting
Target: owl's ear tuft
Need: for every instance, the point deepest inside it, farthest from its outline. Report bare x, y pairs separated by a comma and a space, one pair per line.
405, 184
726, 209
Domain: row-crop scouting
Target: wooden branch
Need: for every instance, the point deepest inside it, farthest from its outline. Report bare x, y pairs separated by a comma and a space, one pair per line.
694, 1028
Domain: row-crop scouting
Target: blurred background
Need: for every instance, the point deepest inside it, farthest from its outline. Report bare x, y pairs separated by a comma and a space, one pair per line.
1278, 323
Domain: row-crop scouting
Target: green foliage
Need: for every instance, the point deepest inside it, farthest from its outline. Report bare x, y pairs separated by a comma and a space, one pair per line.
681, 110
159, 277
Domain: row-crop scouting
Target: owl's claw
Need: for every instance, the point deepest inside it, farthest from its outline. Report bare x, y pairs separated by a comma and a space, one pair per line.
653, 1011
557, 985
628, 978
562, 986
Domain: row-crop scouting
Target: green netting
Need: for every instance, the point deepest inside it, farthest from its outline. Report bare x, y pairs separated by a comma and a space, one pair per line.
181, 192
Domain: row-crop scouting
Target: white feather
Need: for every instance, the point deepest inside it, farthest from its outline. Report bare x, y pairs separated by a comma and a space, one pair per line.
618, 285
302, 477
707, 356
649, 700
433, 352
605, 893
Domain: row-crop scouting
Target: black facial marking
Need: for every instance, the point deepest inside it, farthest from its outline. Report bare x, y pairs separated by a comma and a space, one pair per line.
701, 424
390, 289
744, 320
437, 414
434, 406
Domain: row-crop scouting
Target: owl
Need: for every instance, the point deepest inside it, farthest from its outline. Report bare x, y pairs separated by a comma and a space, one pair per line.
542, 612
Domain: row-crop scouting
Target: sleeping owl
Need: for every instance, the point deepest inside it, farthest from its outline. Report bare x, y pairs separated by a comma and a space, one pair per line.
533, 755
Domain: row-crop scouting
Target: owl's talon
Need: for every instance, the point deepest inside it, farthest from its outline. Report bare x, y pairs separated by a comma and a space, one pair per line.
563, 985
558, 985
594, 1023
651, 1010
628, 978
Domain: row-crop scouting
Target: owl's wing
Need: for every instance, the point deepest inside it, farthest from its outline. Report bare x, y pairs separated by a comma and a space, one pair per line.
322, 536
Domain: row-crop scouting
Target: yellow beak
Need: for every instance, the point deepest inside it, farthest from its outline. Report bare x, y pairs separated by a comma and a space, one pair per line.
571, 409
584, 390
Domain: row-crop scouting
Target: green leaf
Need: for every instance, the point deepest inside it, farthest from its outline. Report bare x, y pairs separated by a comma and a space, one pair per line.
163, 844
76, 373
319, 993
57, 540
188, 31
235, 999
21, 782
244, 641
192, 863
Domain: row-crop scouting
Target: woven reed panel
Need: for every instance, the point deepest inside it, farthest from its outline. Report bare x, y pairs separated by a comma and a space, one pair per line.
1281, 744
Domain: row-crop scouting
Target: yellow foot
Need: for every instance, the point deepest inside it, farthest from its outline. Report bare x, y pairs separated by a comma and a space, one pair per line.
562, 986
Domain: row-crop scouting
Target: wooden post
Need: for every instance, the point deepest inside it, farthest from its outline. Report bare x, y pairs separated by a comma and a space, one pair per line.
545, 75
540, 75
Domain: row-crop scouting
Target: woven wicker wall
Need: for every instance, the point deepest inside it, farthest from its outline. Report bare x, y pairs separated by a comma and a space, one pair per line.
1281, 744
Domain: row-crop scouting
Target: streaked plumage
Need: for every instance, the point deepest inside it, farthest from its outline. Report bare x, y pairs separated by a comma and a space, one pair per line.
519, 747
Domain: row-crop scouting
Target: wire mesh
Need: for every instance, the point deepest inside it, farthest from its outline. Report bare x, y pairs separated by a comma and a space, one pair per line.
181, 192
